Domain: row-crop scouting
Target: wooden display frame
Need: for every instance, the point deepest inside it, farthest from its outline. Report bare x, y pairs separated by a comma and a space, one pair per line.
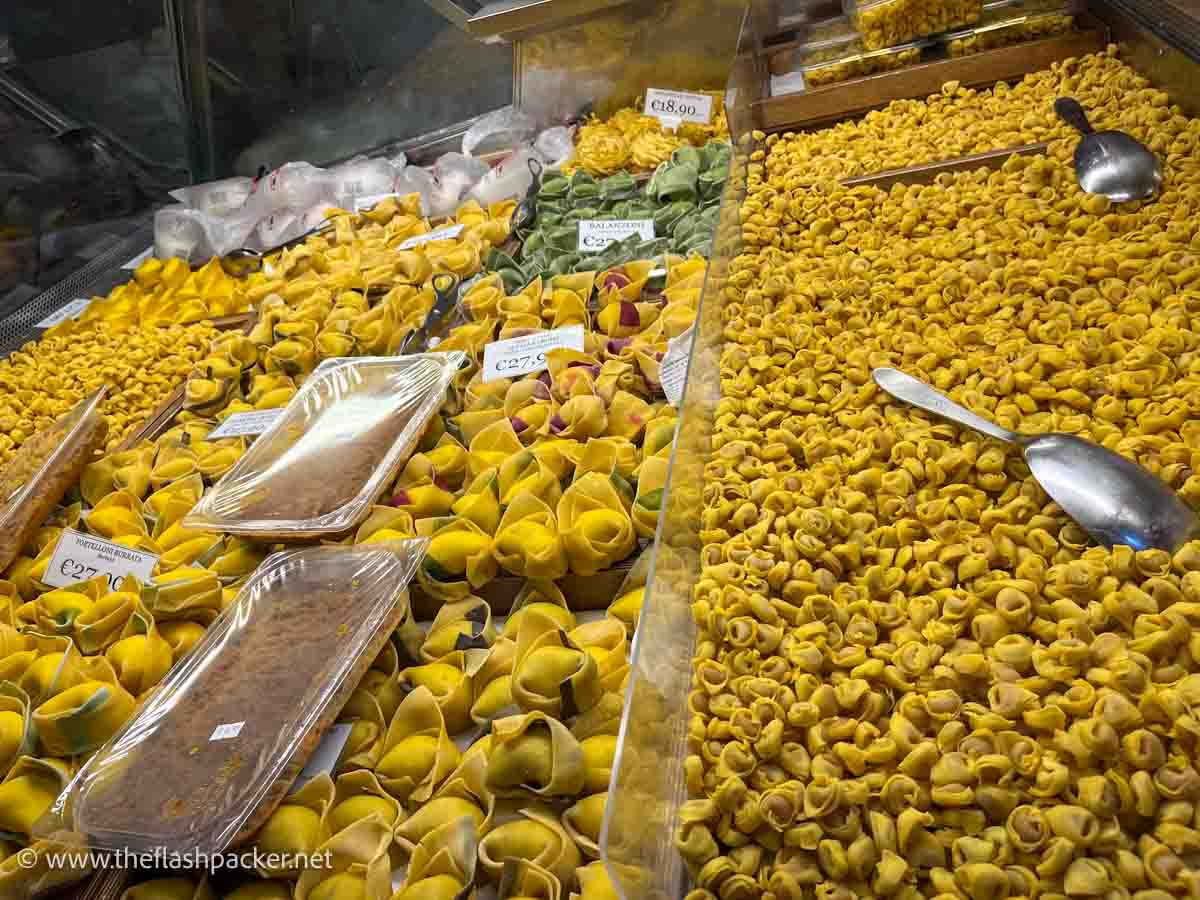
847, 99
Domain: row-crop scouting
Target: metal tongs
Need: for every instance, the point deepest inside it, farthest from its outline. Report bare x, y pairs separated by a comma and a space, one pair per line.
445, 288
526, 213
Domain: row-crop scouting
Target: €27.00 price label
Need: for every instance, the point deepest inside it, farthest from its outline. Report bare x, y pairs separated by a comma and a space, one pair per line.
672, 108
527, 354
78, 557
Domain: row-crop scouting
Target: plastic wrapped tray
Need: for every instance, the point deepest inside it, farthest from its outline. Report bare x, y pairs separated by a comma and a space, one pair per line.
886, 23
337, 446
213, 750
849, 60
44, 469
1006, 23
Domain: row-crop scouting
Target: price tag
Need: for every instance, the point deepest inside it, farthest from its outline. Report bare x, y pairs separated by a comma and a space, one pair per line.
527, 354
672, 372
441, 234
324, 758
139, 259
596, 234
78, 557
791, 83
71, 311
370, 200
673, 107
240, 424
228, 731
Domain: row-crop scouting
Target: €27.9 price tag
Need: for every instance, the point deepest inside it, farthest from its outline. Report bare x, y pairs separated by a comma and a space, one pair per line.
527, 354
596, 234
78, 557
673, 108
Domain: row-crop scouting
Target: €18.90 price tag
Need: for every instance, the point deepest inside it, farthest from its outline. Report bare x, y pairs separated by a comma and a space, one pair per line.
527, 354
673, 108
78, 557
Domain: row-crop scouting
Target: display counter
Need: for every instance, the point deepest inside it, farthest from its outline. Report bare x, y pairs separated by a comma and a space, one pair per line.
510, 510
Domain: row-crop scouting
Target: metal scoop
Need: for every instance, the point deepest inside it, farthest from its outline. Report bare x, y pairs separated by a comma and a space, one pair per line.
1110, 163
1116, 501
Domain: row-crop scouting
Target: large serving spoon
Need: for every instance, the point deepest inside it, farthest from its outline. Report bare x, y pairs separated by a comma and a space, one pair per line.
1116, 501
1110, 163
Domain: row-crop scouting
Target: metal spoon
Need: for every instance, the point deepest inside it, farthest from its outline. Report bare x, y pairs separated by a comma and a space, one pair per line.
1110, 163
1116, 501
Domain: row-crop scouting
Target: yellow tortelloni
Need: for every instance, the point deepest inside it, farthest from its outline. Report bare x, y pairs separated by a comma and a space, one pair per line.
442, 865
596, 527
355, 865
583, 822
298, 825
16, 731
79, 719
463, 795
550, 673
594, 883
464, 625
647, 504
29, 789
528, 541
418, 752
534, 754
535, 834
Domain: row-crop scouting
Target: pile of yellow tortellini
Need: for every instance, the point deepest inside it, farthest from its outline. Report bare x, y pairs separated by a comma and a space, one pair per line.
630, 140
961, 121
142, 367
75, 661
482, 759
169, 292
886, 23
561, 470
915, 676
348, 292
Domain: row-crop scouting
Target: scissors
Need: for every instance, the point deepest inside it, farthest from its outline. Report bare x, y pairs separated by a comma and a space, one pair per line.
445, 289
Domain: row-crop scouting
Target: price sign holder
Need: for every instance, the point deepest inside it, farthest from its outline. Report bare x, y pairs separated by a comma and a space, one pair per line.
673, 108
596, 234
247, 423
448, 233
527, 354
78, 557
72, 310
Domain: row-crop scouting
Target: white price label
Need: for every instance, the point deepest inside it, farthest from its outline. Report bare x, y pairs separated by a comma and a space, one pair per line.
527, 354
791, 83
139, 259
324, 758
371, 200
227, 731
596, 234
71, 311
672, 372
245, 423
448, 233
78, 557
674, 107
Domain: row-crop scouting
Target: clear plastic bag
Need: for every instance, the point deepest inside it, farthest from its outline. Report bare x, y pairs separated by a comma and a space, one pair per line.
181, 232
361, 177
44, 469
458, 174
511, 178
215, 747
499, 130
216, 198
415, 180
337, 446
556, 146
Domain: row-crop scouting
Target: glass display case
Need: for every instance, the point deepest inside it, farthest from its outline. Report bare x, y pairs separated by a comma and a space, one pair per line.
663, 754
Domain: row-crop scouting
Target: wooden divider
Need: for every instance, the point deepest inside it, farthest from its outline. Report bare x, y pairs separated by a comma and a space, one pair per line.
847, 99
